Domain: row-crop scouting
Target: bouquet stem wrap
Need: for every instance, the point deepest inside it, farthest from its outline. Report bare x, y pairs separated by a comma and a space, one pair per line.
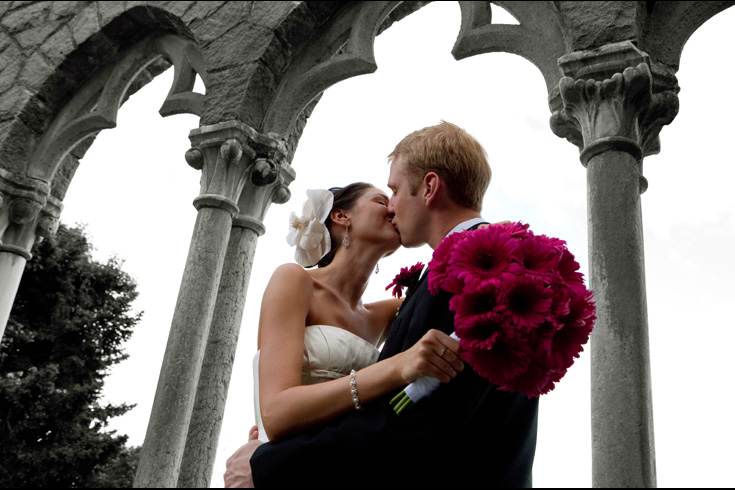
418, 390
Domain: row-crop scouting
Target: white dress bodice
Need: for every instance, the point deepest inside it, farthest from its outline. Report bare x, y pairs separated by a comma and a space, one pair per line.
329, 353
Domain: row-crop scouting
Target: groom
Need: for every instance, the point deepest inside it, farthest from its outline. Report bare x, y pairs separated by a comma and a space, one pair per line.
466, 433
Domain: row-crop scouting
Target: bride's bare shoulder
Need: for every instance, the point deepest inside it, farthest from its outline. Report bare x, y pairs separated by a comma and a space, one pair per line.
291, 276
290, 268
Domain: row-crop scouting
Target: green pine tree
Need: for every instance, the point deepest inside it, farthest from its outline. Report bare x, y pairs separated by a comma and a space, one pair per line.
67, 328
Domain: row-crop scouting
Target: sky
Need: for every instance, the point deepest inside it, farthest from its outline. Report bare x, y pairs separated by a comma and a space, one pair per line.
134, 191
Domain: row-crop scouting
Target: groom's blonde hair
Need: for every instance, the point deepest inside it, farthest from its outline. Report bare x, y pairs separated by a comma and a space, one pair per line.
456, 157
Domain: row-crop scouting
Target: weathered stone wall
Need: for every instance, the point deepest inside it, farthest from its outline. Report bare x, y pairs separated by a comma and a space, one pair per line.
49, 50
593, 24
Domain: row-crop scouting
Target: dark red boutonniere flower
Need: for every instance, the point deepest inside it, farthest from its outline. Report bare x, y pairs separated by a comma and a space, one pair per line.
522, 310
408, 277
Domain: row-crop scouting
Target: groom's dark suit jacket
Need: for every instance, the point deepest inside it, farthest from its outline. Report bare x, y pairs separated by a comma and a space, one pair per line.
467, 433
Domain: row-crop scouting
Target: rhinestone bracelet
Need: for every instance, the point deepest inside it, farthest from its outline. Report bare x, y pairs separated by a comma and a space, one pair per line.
353, 389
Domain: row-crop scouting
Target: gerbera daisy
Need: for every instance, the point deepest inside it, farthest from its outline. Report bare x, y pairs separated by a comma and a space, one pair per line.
489, 254
529, 301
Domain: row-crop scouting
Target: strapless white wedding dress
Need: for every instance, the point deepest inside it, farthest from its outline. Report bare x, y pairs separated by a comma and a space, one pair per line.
329, 353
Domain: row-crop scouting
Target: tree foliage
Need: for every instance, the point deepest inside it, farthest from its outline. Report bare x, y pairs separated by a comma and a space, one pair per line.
69, 321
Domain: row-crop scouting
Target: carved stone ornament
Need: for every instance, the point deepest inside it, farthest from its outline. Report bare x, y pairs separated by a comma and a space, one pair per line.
264, 172
243, 171
218, 152
22, 211
27, 213
606, 112
606, 100
269, 181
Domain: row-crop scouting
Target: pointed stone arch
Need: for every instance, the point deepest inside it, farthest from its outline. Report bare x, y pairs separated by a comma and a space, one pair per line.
68, 87
538, 37
343, 48
95, 105
135, 52
77, 46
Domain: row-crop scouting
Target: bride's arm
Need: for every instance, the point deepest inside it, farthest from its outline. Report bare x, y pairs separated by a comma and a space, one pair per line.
288, 407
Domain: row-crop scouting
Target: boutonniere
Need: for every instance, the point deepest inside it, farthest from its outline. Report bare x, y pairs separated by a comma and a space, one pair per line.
408, 278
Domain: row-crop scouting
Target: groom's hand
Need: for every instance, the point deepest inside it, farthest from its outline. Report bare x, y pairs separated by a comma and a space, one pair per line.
505, 222
239, 474
436, 354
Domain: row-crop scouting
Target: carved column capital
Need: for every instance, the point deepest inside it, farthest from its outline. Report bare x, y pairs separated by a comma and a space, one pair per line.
612, 98
606, 112
222, 152
28, 213
243, 171
271, 175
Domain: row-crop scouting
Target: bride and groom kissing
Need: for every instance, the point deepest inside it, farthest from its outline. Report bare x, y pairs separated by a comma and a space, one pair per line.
323, 390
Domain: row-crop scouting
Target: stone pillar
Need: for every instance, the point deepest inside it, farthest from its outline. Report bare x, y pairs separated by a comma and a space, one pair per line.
606, 107
27, 214
268, 182
223, 154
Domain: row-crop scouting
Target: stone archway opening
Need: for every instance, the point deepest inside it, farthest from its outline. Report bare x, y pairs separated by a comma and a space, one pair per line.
134, 193
356, 124
91, 86
109, 52
68, 91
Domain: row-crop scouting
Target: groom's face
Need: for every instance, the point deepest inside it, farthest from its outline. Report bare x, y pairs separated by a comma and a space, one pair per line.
407, 209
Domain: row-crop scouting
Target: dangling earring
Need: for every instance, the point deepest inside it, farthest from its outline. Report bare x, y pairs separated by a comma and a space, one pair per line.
346, 239
377, 267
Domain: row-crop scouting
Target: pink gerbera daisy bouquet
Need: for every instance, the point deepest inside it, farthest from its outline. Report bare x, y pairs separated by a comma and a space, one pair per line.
522, 311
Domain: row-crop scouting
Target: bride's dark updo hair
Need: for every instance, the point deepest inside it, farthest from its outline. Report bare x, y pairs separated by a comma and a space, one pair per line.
345, 199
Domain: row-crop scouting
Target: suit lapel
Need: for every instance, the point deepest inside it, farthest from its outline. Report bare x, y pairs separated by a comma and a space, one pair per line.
396, 338
420, 297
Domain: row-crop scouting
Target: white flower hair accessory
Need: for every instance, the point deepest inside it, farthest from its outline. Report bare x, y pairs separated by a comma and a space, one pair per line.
309, 233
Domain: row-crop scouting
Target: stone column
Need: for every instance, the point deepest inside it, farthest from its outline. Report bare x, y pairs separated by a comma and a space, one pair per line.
606, 107
27, 214
222, 153
268, 182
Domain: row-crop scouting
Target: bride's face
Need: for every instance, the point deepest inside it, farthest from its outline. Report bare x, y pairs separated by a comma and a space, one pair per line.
371, 221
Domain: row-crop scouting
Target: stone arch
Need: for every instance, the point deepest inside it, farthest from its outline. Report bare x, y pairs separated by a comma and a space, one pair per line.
669, 25
74, 66
307, 38
54, 63
122, 56
94, 106
344, 48
538, 37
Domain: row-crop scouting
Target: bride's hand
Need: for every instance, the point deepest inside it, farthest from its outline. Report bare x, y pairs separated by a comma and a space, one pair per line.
435, 354
238, 473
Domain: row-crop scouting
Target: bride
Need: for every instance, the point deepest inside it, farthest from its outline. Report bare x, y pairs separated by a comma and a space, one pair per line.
317, 341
